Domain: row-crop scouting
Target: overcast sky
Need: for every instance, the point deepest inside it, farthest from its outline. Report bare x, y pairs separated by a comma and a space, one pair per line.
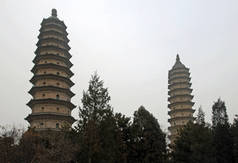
131, 44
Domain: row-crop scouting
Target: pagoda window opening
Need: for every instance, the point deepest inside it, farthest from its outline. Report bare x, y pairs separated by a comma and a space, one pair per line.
57, 125
57, 73
57, 109
41, 124
42, 108
58, 84
43, 95
57, 96
44, 72
58, 63
45, 61
44, 83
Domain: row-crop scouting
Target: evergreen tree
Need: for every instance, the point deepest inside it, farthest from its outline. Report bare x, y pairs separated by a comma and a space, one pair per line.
200, 119
124, 136
223, 144
219, 115
193, 145
97, 126
222, 140
148, 140
234, 132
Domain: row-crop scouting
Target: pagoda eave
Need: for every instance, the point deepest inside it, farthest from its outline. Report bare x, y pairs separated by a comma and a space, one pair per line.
54, 33
33, 102
40, 116
181, 110
52, 56
52, 65
53, 24
179, 77
51, 76
182, 95
34, 89
50, 47
175, 127
181, 118
51, 19
182, 103
171, 73
179, 68
57, 41
180, 83
180, 89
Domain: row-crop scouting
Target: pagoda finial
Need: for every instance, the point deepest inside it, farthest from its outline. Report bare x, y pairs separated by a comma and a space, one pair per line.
54, 12
177, 58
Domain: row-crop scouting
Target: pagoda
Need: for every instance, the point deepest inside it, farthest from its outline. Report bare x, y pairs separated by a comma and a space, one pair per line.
180, 98
51, 95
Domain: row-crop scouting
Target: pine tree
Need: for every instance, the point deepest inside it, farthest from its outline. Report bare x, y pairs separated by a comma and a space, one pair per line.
234, 133
219, 115
200, 119
96, 125
148, 140
194, 145
124, 137
222, 140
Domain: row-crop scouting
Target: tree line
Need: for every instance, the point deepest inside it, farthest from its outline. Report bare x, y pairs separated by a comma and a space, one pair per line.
103, 136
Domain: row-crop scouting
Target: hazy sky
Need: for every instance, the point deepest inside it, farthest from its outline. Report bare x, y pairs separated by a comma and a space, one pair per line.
131, 44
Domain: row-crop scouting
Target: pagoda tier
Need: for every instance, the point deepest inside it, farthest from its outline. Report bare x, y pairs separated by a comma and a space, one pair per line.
34, 102
51, 104
54, 57
39, 80
51, 67
180, 98
52, 49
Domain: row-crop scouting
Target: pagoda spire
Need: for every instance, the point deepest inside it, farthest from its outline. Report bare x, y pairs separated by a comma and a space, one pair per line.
54, 12
177, 58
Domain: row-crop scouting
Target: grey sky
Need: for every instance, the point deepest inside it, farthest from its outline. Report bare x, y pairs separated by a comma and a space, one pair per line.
132, 44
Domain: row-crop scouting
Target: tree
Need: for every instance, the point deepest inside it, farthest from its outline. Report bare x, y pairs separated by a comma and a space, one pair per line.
96, 125
123, 124
32, 146
8, 140
219, 115
234, 133
193, 145
222, 139
148, 141
200, 119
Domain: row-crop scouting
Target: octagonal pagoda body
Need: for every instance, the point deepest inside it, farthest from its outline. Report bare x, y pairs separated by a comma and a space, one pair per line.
180, 98
51, 103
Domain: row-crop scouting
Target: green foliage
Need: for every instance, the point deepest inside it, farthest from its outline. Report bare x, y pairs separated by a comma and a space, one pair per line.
219, 115
193, 145
222, 139
98, 129
223, 144
37, 147
234, 133
108, 137
103, 136
200, 119
148, 141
